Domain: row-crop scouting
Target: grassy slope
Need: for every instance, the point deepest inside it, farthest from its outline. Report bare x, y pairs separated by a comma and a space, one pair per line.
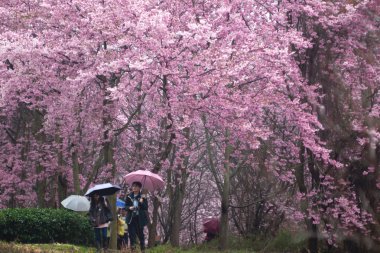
43, 248
284, 241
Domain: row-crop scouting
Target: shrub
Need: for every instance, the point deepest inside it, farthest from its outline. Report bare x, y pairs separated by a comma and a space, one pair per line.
34, 225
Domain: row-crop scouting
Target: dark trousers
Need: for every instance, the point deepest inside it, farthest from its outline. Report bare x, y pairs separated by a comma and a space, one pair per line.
122, 241
134, 229
101, 237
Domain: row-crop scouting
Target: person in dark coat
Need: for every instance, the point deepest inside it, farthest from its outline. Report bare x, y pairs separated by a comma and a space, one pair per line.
100, 216
137, 206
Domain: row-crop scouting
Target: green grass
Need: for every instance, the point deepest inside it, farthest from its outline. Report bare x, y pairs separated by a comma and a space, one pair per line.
67, 248
236, 245
43, 248
200, 249
284, 242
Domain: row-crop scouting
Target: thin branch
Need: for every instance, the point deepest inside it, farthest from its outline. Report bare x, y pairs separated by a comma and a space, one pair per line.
130, 118
247, 205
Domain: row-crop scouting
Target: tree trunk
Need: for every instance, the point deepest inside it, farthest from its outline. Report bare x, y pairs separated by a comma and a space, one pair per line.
40, 188
165, 150
300, 179
152, 227
62, 188
109, 142
109, 159
179, 193
177, 208
113, 239
61, 181
223, 187
223, 240
76, 172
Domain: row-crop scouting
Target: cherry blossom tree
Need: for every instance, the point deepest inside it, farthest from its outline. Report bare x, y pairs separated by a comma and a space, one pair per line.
93, 89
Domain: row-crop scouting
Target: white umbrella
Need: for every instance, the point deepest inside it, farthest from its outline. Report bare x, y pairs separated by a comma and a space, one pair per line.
103, 189
76, 203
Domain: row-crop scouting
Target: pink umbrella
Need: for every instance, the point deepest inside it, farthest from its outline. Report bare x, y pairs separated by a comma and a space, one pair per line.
211, 225
149, 180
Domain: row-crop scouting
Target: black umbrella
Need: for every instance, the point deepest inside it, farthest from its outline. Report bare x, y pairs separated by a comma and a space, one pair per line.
103, 189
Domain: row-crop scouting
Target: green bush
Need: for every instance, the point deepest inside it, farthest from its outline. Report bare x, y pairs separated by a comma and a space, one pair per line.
32, 225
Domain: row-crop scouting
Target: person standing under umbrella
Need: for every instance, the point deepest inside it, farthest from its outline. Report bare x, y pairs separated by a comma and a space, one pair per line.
137, 207
100, 216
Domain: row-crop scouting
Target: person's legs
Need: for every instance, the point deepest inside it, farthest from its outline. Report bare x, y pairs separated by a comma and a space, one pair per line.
132, 232
125, 239
140, 234
98, 239
104, 238
119, 242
